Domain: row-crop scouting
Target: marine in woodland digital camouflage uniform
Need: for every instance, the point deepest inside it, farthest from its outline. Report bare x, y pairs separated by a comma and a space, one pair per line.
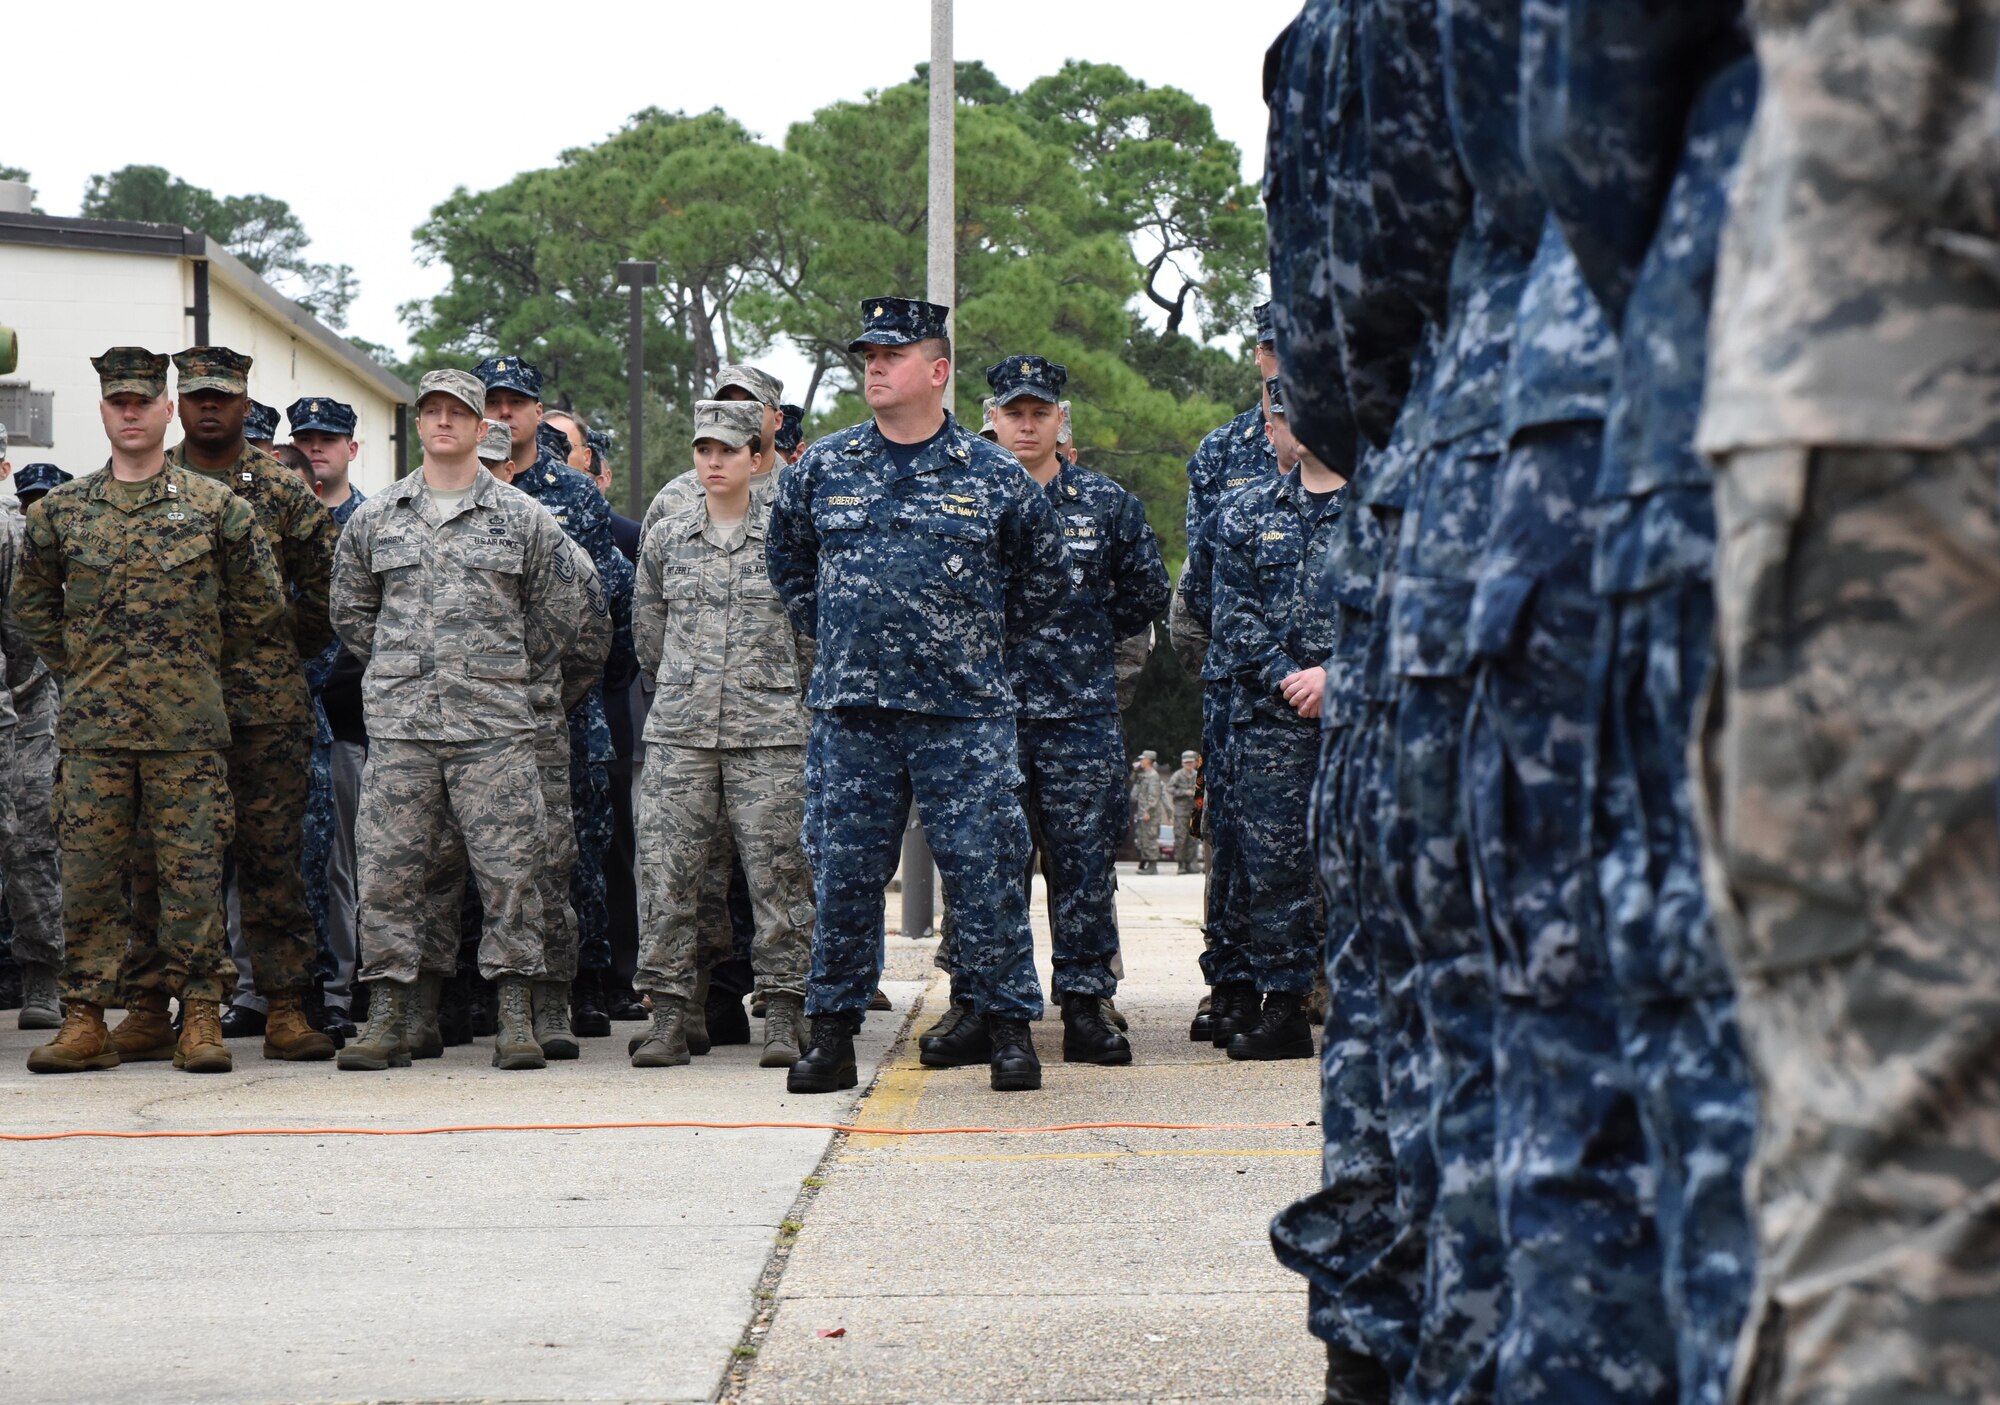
1183, 787
271, 727
140, 596
726, 742
1849, 766
915, 577
456, 613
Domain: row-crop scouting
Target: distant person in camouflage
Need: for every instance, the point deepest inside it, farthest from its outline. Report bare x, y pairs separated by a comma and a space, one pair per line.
1271, 541
456, 592
1149, 810
915, 552
137, 583
1071, 746
28, 853
791, 433
271, 726
323, 433
535, 466
1183, 786
725, 740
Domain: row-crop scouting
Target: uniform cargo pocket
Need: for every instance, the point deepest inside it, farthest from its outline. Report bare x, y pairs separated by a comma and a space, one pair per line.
1427, 628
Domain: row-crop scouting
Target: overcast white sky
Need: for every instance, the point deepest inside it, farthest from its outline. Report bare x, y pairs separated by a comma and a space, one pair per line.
364, 115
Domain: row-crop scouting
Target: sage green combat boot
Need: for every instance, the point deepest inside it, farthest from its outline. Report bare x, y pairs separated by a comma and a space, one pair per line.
552, 1029
697, 1016
41, 999
383, 1041
664, 1045
784, 1031
514, 1045
426, 1041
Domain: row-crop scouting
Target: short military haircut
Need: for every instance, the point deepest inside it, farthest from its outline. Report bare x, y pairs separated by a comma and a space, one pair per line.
935, 348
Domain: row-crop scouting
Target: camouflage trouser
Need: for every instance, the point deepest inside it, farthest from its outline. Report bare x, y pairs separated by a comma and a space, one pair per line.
33, 863
1342, 1235
268, 774
1074, 796
1850, 771
412, 793
863, 767
1185, 857
1146, 835
177, 802
1226, 913
560, 931
590, 809
1677, 1009
317, 838
687, 797
1271, 776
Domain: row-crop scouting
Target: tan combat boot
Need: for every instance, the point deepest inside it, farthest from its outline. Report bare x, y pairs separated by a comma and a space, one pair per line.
201, 1049
514, 1045
288, 1035
145, 1035
784, 1032
82, 1043
41, 998
664, 1044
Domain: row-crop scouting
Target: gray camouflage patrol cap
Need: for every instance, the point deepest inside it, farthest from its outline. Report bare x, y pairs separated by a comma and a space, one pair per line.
899, 322
461, 386
496, 442
1149, 756
3, 441
1187, 756
731, 422
764, 388
1267, 328
1277, 395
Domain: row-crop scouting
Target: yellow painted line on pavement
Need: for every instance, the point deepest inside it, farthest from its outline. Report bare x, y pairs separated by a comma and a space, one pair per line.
899, 1087
1113, 1154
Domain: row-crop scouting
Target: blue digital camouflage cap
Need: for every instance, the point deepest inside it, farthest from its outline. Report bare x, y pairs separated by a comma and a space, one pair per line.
261, 424
552, 441
899, 322
510, 373
319, 412
1027, 375
791, 427
599, 439
39, 478
1277, 396
1267, 327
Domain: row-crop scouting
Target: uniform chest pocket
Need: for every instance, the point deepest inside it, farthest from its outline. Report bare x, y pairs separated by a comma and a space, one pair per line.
835, 516
489, 554
1277, 550
182, 549
91, 555
754, 583
680, 588
396, 555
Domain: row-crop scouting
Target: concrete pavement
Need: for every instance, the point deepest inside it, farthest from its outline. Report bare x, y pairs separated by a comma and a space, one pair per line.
639, 1265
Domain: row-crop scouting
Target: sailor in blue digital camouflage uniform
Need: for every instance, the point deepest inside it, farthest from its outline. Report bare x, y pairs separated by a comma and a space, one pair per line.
1275, 630
1071, 745
514, 398
1654, 558
915, 552
323, 430
260, 426
1229, 457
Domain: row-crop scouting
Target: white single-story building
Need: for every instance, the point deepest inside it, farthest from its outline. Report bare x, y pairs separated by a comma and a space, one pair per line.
69, 288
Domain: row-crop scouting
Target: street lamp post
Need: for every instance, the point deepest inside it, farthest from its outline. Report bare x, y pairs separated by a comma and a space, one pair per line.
638, 276
919, 873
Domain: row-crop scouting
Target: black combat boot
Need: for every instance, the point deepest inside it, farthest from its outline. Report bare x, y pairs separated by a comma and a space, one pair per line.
587, 1017
828, 1065
485, 1006
727, 1021
1016, 1069
455, 1012
964, 1043
1088, 1037
1232, 1009
1201, 1030
1281, 1031
1354, 1379
946, 1022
